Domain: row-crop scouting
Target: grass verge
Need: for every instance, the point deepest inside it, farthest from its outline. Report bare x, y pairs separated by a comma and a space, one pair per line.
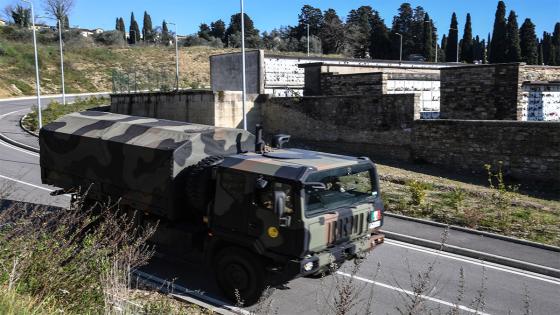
56, 110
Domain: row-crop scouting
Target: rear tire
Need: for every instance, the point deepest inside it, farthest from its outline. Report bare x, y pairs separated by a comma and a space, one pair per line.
240, 275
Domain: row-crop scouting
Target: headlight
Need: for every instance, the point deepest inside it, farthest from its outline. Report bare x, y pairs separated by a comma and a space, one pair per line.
308, 266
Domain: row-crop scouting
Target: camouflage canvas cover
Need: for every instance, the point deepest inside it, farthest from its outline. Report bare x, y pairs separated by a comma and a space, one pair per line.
138, 159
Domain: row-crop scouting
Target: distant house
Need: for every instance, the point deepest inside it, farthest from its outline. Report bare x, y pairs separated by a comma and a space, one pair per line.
87, 32
3, 22
98, 31
40, 26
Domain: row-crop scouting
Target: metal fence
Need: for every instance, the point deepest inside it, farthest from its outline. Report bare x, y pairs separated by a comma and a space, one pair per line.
131, 81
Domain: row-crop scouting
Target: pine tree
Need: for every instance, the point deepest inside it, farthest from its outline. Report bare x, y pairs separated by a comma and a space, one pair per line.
467, 42
133, 31
218, 29
235, 27
331, 33
556, 42
452, 45
204, 31
528, 43
147, 28
427, 38
443, 48
512, 39
311, 16
498, 47
380, 44
358, 31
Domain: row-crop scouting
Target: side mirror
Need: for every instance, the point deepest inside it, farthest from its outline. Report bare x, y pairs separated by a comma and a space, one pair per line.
279, 203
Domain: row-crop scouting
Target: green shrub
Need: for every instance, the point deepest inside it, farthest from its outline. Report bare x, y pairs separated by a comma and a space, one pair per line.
417, 191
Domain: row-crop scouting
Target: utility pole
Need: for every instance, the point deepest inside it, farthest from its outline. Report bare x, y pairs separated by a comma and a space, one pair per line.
37, 82
307, 40
454, 29
243, 92
400, 47
59, 24
176, 57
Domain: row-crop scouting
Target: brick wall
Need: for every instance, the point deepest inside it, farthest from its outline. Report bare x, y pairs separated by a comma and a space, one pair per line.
378, 127
528, 150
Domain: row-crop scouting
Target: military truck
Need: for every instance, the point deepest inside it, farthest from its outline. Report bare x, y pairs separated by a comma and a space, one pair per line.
259, 215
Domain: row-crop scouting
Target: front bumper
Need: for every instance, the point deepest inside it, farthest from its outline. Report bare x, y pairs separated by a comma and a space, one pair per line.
336, 254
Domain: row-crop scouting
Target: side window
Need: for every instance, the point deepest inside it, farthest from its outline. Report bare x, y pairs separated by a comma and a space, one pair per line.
264, 194
234, 184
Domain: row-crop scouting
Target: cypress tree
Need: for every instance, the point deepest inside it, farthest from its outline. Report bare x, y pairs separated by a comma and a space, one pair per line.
556, 42
452, 44
165, 37
147, 28
133, 31
427, 38
443, 48
476, 50
498, 46
528, 43
117, 25
488, 44
540, 58
484, 52
549, 57
380, 44
513, 41
122, 28
331, 32
467, 42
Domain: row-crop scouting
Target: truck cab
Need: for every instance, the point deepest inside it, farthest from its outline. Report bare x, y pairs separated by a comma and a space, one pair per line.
299, 211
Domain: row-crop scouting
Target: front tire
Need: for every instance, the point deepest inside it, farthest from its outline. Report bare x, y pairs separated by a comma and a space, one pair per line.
240, 275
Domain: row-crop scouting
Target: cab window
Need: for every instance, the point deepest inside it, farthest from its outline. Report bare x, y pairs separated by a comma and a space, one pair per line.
264, 194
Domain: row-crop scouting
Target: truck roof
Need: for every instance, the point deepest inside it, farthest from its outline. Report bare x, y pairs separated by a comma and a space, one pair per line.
289, 163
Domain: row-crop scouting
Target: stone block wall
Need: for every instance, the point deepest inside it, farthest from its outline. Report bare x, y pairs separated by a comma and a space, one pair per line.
480, 92
223, 109
378, 127
528, 150
372, 84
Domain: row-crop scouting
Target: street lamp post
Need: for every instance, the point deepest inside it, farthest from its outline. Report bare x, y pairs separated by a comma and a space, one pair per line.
244, 87
176, 57
37, 82
59, 23
400, 47
454, 29
307, 40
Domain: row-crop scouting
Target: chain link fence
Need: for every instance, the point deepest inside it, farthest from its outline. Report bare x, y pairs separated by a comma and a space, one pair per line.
132, 81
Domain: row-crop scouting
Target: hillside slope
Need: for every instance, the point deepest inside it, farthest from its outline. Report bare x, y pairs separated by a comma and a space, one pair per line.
89, 68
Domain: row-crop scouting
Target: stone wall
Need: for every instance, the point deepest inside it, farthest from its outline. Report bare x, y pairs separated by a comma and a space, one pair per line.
378, 127
480, 92
223, 109
528, 150
373, 84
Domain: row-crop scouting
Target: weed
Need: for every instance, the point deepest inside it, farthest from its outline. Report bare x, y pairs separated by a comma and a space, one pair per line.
417, 191
455, 198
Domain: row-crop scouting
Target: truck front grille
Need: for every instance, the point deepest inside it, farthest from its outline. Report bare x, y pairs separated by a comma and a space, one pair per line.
346, 227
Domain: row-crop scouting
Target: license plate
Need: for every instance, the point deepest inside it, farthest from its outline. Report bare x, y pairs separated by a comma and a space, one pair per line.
373, 225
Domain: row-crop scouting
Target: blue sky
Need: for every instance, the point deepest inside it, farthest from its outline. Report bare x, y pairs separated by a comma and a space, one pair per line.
268, 14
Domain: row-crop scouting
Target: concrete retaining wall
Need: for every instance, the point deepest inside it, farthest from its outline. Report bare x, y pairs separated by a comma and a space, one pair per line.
223, 109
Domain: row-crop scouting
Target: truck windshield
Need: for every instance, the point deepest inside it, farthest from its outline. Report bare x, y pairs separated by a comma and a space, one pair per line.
342, 187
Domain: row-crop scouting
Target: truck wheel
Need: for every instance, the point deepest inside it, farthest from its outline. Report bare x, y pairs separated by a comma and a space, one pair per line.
199, 185
240, 275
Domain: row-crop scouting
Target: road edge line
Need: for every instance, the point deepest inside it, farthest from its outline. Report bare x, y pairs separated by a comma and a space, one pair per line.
18, 144
506, 261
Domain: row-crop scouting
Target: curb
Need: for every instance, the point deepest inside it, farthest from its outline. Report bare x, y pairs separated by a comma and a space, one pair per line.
475, 254
18, 144
24, 128
475, 232
183, 294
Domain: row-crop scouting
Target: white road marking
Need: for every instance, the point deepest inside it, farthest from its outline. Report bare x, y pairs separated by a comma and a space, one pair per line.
26, 183
15, 111
474, 261
13, 147
429, 298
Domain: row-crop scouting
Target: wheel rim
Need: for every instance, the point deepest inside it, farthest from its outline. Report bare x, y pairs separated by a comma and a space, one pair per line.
237, 277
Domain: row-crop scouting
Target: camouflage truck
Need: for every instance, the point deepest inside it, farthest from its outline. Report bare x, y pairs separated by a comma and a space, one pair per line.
260, 216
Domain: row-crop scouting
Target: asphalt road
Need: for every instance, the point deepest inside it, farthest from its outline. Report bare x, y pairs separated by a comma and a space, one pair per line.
388, 275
